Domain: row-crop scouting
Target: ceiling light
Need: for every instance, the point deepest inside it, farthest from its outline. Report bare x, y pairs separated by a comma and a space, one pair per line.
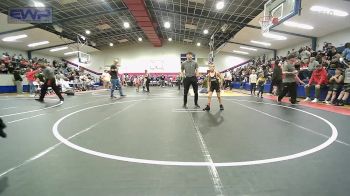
58, 49
38, 43
87, 32
69, 53
298, 25
205, 31
328, 11
38, 4
240, 52
198, 44
167, 25
140, 39
126, 25
274, 36
13, 38
170, 39
247, 48
220, 5
111, 44
261, 43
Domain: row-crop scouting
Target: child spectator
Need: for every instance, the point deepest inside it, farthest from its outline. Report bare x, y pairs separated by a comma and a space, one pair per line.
334, 85
261, 82
344, 95
252, 81
318, 79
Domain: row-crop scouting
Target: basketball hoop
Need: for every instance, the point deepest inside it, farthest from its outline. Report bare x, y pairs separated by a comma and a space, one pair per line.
265, 23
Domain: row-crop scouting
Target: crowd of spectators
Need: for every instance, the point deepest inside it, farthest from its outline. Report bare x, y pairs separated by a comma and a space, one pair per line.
323, 69
21, 68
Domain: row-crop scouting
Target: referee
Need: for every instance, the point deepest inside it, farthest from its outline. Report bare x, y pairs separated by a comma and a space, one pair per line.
189, 70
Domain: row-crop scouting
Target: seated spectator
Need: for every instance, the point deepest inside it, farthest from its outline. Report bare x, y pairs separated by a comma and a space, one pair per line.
344, 95
346, 52
312, 65
334, 85
318, 79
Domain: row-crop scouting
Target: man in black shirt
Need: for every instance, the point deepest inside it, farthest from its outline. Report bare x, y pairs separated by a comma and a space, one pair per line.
18, 80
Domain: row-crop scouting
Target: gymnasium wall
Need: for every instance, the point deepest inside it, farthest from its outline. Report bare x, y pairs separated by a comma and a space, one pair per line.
137, 58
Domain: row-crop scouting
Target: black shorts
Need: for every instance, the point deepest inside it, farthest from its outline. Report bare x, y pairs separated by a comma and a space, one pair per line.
214, 86
334, 87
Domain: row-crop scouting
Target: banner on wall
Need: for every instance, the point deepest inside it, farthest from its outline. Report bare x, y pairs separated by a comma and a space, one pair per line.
156, 65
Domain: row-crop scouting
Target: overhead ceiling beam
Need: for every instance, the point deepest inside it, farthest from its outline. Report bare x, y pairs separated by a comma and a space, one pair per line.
141, 15
51, 46
17, 30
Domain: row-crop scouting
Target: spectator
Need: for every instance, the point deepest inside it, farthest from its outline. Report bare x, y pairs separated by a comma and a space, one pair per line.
30, 75
106, 79
318, 79
252, 81
346, 52
344, 95
18, 81
334, 85
313, 64
261, 82
289, 81
276, 84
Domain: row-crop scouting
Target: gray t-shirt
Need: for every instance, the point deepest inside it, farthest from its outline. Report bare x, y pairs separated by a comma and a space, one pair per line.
347, 76
288, 68
189, 67
49, 73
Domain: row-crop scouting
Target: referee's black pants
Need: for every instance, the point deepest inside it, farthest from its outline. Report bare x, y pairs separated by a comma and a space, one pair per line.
188, 81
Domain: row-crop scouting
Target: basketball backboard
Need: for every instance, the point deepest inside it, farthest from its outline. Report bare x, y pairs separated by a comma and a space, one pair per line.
280, 9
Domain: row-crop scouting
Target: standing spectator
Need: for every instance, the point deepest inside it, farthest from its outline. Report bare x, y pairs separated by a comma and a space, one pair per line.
178, 80
18, 80
115, 81
162, 80
228, 79
261, 83
318, 79
147, 80
30, 75
289, 80
252, 81
276, 83
106, 79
